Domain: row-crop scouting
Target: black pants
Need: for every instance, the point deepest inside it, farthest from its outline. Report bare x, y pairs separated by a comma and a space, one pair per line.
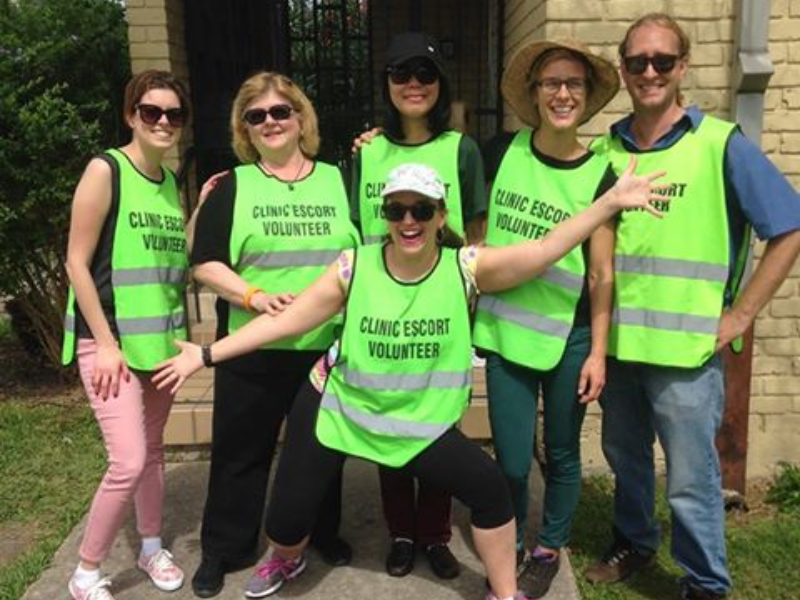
249, 409
306, 469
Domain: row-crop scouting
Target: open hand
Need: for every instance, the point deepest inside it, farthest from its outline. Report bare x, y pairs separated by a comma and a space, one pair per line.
176, 370
638, 191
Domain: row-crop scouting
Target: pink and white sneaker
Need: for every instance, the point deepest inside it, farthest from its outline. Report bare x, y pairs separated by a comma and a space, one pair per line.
98, 591
163, 572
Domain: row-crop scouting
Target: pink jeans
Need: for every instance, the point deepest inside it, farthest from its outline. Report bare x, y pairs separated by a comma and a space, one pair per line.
133, 427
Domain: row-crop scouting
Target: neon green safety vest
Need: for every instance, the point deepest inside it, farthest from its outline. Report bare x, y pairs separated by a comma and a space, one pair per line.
670, 274
382, 155
404, 372
284, 237
530, 323
148, 269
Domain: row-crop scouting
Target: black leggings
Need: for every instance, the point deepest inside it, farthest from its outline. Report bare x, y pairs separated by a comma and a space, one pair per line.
452, 463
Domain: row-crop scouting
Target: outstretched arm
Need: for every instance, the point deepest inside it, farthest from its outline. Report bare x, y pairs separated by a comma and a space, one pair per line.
315, 305
501, 268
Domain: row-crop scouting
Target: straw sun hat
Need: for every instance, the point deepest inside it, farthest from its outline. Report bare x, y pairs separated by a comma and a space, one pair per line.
517, 80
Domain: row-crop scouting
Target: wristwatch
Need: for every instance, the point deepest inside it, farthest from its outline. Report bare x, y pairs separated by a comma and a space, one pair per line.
205, 352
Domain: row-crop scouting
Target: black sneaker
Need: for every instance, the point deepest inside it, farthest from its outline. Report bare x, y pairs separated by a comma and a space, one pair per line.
400, 560
618, 563
334, 551
209, 579
442, 561
538, 573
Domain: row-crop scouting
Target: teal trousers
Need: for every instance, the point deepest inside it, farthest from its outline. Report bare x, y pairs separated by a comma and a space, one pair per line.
514, 393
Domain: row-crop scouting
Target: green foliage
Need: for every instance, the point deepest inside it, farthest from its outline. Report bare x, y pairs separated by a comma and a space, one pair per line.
785, 491
63, 66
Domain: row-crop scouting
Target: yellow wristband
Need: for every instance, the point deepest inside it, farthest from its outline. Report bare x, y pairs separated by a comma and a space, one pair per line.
248, 297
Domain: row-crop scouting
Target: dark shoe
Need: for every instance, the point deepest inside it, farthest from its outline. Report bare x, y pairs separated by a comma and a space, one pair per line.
442, 561
690, 592
209, 579
400, 561
538, 573
335, 551
618, 563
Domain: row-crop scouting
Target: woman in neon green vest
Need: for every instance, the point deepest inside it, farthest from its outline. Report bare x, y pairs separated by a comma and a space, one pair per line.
416, 93
127, 267
548, 336
268, 229
401, 380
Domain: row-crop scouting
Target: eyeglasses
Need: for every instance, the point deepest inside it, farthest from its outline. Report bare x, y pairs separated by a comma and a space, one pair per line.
662, 63
151, 114
422, 212
402, 74
552, 85
278, 112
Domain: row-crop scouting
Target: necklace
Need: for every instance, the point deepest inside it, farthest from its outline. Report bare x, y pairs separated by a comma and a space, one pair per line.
289, 183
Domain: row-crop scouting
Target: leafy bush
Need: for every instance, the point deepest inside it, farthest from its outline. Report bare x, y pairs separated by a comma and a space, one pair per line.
785, 491
63, 66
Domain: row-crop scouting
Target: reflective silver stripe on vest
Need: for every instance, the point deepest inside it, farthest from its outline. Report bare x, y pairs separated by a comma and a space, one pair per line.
148, 275
373, 239
529, 320
298, 258
562, 278
670, 267
383, 424
658, 319
408, 381
69, 323
145, 325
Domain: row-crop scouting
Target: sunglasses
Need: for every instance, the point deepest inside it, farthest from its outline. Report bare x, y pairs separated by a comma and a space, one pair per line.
423, 73
422, 212
662, 63
278, 112
151, 114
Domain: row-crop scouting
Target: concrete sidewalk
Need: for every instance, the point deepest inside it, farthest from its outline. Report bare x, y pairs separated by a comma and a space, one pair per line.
362, 526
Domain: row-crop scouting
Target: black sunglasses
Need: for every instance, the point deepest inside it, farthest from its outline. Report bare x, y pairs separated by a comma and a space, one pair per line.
422, 211
662, 63
278, 112
151, 114
423, 73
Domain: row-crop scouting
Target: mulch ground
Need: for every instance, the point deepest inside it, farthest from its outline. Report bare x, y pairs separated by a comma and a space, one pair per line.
24, 378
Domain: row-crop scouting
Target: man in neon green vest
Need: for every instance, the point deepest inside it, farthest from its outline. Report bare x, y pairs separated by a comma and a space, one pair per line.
677, 303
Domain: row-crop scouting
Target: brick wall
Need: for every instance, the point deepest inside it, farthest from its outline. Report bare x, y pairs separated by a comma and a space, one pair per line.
156, 39
775, 397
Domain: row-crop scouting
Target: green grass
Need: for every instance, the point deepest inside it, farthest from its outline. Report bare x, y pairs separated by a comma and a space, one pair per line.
51, 459
762, 550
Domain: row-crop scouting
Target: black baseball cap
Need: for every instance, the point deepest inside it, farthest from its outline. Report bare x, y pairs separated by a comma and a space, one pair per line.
413, 44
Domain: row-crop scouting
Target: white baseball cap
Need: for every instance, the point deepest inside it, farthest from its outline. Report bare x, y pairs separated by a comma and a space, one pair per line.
413, 177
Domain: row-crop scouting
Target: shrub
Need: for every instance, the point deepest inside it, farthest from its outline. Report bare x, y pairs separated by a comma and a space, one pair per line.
785, 490
63, 66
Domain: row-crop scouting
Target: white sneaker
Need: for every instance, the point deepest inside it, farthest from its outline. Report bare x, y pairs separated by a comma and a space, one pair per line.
163, 572
98, 591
